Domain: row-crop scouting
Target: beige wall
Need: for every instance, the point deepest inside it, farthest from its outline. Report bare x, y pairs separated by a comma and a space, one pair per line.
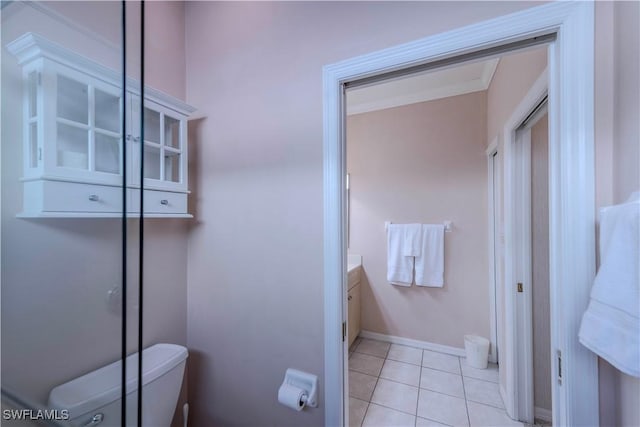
56, 323
422, 163
540, 263
255, 257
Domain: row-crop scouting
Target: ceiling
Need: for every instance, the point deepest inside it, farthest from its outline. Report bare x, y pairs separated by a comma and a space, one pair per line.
427, 86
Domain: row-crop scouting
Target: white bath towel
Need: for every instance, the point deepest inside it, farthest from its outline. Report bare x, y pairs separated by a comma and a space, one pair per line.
430, 263
399, 266
611, 324
412, 244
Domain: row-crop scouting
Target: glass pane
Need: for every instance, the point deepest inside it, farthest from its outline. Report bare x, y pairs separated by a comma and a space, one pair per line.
72, 147
107, 153
151, 126
107, 108
73, 100
171, 132
33, 145
171, 166
151, 162
33, 94
63, 301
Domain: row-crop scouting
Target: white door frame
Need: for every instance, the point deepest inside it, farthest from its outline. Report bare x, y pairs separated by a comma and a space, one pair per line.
571, 195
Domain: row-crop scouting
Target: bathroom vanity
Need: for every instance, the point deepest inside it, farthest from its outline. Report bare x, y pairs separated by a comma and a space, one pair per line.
354, 271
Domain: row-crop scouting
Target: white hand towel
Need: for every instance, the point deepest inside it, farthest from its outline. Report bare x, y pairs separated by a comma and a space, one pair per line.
430, 263
399, 266
611, 324
412, 245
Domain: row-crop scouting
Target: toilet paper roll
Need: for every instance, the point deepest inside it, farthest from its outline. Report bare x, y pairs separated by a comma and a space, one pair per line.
292, 396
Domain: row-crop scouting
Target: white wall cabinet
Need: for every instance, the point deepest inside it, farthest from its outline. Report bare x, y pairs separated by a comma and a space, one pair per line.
75, 146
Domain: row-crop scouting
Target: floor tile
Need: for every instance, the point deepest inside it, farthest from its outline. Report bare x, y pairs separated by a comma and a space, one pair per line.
484, 415
361, 385
423, 422
403, 353
405, 373
397, 396
442, 408
366, 364
489, 374
483, 392
442, 382
379, 416
441, 361
374, 348
357, 409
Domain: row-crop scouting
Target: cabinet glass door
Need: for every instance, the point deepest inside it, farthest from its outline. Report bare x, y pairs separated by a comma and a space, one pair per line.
172, 149
72, 123
162, 146
88, 126
152, 144
107, 135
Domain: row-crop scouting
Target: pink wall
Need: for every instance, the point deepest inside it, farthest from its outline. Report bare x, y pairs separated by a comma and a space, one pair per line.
627, 95
512, 80
255, 256
626, 161
254, 70
424, 163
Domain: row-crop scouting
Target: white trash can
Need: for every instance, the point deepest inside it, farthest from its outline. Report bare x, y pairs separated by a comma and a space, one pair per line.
477, 349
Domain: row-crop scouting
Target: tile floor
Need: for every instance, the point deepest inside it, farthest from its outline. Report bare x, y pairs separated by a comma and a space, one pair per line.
394, 385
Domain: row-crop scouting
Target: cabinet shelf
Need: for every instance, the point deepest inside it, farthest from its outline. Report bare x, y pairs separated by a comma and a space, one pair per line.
74, 143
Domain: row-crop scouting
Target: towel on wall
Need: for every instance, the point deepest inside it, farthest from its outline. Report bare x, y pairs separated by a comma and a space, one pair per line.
430, 263
412, 244
399, 265
611, 324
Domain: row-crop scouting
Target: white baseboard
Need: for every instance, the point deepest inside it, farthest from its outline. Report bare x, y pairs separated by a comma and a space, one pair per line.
542, 414
413, 343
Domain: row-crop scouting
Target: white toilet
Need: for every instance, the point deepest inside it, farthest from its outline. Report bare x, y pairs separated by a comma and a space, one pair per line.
94, 399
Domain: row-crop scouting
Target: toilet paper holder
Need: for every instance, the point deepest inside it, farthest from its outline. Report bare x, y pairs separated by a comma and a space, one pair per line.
306, 381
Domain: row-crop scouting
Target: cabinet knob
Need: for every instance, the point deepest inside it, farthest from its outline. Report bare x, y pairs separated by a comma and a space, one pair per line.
164, 202
349, 299
94, 198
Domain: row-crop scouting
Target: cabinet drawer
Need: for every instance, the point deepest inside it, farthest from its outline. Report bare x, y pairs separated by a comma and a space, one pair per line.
159, 202
58, 196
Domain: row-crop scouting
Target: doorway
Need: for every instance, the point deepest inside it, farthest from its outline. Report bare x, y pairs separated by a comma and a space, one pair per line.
421, 160
571, 160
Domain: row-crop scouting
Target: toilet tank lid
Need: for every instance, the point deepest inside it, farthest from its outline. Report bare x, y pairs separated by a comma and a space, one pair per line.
103, 386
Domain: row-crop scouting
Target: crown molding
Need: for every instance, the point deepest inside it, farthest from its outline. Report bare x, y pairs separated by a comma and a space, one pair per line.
428, 94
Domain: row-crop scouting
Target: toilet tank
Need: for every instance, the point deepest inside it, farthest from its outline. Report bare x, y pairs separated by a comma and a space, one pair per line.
96, 395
